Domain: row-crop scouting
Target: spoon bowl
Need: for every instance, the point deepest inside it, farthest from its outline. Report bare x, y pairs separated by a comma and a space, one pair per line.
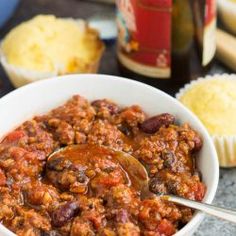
136, 172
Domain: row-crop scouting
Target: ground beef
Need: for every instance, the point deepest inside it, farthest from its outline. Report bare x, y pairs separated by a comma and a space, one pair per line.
87, 192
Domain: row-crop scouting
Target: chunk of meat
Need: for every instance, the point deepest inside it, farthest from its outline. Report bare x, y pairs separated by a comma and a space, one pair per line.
69, 180
154, 210
81, 228
103, 133
29, 221
169, 148
105, 108
107, 232
38, 139
21, 164
120, 195
132, 116
63, 132
183, 184
191, 137
128, 229
42, 195
74, 110
6, 213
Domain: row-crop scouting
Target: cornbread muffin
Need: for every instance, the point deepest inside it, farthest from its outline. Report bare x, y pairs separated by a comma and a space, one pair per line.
213, 100
47, 46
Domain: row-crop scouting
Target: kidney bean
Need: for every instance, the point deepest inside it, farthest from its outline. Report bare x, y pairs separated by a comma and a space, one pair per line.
122, 216
157, 186
197, 143
103, 103
125, 129
172, 187
154, 123
64, 213
169, 159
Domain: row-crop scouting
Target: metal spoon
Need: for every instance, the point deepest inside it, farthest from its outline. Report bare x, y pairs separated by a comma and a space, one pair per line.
140, 181
138, 171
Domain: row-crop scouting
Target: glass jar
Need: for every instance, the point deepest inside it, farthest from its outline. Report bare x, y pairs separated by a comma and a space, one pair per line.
165, 43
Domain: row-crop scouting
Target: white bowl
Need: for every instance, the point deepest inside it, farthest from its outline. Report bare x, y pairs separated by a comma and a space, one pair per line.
39, 97
227, 12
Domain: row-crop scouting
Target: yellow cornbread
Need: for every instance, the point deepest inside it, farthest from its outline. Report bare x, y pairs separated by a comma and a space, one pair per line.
49, 44
214, 102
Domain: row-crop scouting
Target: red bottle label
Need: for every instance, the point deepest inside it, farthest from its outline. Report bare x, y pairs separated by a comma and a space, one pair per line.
210, 11
144, 39
145, 36
209, 34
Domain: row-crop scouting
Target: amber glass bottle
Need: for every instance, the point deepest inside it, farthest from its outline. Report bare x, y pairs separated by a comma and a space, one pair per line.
165, 43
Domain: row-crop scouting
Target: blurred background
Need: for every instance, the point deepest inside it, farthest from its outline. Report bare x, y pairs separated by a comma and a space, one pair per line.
22, 10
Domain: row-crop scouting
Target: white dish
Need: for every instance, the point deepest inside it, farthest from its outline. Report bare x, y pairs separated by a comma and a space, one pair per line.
41, 96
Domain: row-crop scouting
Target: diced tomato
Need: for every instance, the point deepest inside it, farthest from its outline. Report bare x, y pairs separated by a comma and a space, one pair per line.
95, 218
199, 191
166, 228
14, 136
2, 178
109, 180
17, 153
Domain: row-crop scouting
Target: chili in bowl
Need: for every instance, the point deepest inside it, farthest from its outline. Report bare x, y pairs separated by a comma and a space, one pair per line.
87, 192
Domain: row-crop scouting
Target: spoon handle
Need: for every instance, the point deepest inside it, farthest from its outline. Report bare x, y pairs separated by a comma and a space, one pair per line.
207, 208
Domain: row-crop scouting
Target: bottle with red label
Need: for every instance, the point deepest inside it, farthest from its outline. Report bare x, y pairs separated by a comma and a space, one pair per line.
165, 43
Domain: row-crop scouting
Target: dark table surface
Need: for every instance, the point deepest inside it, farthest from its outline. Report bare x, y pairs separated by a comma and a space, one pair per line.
84, 9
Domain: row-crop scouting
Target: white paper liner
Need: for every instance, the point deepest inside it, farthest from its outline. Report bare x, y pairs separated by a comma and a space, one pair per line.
20, 76
225, 144
226, 150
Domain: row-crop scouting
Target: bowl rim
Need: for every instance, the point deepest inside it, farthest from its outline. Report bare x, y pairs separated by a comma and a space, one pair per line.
198, 216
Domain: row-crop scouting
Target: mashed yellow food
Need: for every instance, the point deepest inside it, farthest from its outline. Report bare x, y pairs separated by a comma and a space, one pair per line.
214, 102
48, 44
